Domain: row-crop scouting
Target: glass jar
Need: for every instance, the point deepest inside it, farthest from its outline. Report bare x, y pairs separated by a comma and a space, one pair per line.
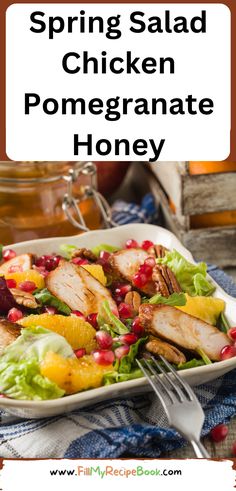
47, 199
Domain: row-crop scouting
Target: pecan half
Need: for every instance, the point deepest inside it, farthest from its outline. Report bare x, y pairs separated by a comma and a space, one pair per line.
134, 300
84, 254
158, 251
160, 283
24, 298
165, 281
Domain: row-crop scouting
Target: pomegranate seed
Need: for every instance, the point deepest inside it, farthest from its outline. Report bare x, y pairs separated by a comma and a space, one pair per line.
78, 314
232, 333
145, 269
103, 357
40, 261
150, 261
146, 244
50, 310
8, 254
80, 352
104, 255
104, 339
125, 310
219, 433
131, 244
227, 352
51, 263
123, 289
2, 395
14, 315
92, 319
121, 351
140, 279
234, 449
15, 269
129, 338
79, 261
11, 283
137, 327
56, 260
118, 299
27, 286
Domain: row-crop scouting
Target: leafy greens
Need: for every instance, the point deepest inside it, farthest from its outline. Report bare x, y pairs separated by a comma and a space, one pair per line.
20, 376
191, 277
46, 298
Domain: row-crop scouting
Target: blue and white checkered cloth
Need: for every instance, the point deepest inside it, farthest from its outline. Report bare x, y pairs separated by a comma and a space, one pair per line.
109, 429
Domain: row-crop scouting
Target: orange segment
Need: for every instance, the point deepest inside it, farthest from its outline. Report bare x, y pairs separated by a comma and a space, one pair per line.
78, 333
73, 374
96, 270
30, 275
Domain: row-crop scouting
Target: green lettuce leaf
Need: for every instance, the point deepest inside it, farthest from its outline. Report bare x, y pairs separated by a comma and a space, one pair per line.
106, 317
46, 298
114, 377
127, 362
20, 376
35, 342
104, 247
190, 364
22, 380
67, 250
176, 299
191, 277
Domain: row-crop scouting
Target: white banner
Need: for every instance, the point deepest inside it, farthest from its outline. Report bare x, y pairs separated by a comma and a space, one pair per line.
104, 475
119, 81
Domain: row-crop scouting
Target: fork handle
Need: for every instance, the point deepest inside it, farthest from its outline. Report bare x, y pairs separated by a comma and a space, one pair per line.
199, 449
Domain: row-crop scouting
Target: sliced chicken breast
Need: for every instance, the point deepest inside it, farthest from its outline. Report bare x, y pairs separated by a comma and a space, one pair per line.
126, 263
183, 329
24, 261
171, 353
9, 331
76, 287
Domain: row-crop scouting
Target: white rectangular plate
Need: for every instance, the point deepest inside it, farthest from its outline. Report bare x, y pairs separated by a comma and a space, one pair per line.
117, 237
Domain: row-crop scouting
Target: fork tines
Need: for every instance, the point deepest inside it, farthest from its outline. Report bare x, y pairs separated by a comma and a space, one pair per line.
170, 389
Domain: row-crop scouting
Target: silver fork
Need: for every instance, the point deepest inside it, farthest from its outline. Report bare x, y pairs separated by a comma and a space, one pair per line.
179, 402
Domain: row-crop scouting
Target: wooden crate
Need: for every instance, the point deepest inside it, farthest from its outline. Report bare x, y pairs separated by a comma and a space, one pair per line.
196, 194
193, 195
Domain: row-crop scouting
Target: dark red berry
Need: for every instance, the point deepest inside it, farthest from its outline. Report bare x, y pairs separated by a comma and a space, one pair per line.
80, 352
125, 310
137, 327
146, 244
92, 319
140, 280
8, 254
131, 244
219, 433
11, 283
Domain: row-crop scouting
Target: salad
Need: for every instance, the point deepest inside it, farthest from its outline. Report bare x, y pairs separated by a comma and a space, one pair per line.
80, 319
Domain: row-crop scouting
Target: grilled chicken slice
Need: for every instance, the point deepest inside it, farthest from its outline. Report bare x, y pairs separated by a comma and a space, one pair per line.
171, 353
183, 329
24, 261
76, 287
9, 331
126, 263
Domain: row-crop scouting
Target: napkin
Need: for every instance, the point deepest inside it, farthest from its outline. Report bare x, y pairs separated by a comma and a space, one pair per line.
136, 425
